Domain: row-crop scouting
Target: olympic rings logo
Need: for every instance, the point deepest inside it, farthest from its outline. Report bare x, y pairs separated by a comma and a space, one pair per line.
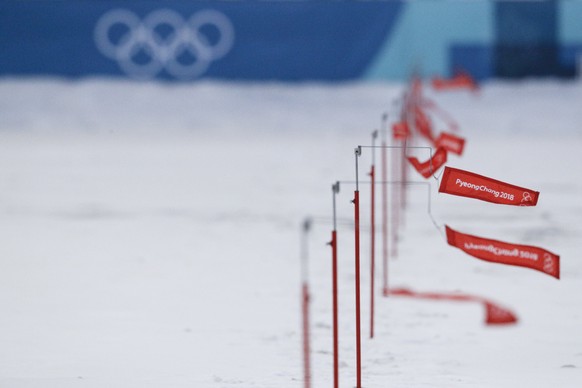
163, 40
548, 264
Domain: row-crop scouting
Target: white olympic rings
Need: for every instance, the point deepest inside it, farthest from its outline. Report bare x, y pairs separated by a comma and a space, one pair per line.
163, 51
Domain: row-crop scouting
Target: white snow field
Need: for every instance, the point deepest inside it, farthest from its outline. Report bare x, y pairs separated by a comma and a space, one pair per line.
150, 237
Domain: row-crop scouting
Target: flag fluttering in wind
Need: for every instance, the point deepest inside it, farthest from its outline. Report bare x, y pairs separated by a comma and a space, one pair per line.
506, 253
468, 184
494, 313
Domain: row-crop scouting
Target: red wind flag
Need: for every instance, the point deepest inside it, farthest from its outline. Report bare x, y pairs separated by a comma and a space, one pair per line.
461, 80
506, 253
422, 124
400, 130
428, 168
471, 185
494, 314
451, 143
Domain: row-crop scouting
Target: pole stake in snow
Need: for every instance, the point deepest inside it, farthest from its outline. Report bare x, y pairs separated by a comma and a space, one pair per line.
372, 230
335, 189
384, 134
356, 202
305, 304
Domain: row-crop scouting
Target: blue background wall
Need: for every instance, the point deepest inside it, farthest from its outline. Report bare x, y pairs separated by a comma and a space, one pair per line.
289, 40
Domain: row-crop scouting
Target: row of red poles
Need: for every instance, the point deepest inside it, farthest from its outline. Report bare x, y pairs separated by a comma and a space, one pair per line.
399, 174
398, 196
389, 237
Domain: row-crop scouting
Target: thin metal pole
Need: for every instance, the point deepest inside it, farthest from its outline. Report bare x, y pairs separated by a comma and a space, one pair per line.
356, 202
395, 204
384, 207
305, 306
333, 243
403, 166
403, 170
372, 232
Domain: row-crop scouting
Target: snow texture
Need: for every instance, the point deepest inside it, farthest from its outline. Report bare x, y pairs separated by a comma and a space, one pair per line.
150, 237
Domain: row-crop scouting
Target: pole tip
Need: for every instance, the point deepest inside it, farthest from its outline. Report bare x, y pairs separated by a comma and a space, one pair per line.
336, 187
307, 224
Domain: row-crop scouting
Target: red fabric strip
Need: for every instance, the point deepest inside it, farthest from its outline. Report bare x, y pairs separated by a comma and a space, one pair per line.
494, 314
471, 185
428, 168
460, 81
451, 143
400, 130
506, 253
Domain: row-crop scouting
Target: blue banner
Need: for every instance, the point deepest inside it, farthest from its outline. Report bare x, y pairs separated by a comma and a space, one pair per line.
255, 40
288, 40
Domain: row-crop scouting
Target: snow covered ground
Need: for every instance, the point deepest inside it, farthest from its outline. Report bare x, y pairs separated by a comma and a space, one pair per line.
150, 237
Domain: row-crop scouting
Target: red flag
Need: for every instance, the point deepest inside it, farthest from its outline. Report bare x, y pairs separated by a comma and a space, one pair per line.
428, 168
506, 253
432, 295
471, 185
451, 143
494, 314
400, 130
462, 80
422, 124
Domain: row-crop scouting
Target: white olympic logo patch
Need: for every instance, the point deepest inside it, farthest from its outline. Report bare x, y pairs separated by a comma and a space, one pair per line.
163, 40
526, 199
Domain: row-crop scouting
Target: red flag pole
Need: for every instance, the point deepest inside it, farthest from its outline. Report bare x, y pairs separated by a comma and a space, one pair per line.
403, 165
372, 231
395, 202
333, 243
356, 203
403, 187
384, 208
305, 307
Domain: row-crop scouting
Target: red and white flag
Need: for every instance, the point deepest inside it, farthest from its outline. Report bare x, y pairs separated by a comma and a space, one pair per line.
400, 130
506, 253
451, 143
497, 315
467, 184
461, 80
428, 168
